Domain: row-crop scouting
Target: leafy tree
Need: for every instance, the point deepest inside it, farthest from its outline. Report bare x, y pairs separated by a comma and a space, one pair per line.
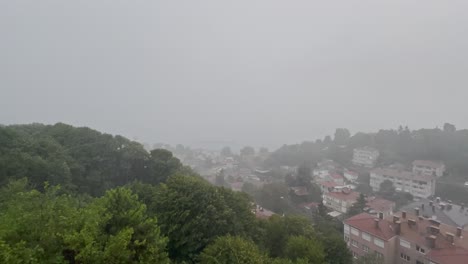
336, 250
370, 258
226, 152
449, 128
278, 229
232, 249
387, 190
247, 151
117, 229
300, 247
358, 206
341, 136
192, 213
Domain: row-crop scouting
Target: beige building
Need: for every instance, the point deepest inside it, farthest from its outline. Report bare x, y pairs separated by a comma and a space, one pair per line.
406, 238
365, 156
428, 167
420, 186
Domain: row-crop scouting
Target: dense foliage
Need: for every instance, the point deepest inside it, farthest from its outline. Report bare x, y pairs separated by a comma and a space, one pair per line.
74, 195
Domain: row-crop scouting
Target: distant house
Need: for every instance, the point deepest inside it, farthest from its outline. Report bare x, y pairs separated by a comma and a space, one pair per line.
418, 185
337, 178
351, 176
325, 168
340, 201
327, 186
377, 205
429, 167
365, 156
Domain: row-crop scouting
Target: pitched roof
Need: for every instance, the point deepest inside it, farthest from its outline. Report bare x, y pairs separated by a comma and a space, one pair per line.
336, 176
348, 195
366, 223
328, 184
300, 190
380, 204
449, 256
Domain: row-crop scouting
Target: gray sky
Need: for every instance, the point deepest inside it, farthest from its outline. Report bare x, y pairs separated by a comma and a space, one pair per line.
248, 72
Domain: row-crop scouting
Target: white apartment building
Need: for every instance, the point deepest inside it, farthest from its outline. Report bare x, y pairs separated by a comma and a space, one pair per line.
420, 186
365, 156
429, 167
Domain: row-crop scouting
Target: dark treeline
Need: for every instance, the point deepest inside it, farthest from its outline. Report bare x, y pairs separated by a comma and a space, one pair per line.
396, 146
74, 195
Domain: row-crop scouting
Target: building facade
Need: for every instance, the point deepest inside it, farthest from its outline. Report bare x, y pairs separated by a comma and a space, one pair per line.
429, 168
366, 157
406, 238
420, 186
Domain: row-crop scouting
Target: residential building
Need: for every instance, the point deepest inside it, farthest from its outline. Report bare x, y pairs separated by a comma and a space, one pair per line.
365, 156
325, 168
327, 186
351, 176
420, 186
377, 206
406, 238
429, 167
443, 211
262, 213
337, 178
340, 201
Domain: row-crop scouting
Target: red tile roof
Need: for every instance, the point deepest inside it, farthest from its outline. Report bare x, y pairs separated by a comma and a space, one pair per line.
300, 190
401, 174
449, 256
328, 184
380, 204
366, 223
344, 196
336, 176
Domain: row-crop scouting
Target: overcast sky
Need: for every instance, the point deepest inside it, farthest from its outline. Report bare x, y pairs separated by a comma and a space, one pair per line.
242, 72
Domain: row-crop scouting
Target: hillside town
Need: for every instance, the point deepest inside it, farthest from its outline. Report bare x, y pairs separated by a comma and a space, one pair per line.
393, 213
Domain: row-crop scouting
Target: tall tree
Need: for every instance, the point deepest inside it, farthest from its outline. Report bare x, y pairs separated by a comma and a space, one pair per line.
232, 249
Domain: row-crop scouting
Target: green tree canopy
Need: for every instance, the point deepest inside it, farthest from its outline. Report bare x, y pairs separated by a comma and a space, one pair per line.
232, 250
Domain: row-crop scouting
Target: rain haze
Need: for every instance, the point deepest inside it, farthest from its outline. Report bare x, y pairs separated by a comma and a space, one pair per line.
261, 73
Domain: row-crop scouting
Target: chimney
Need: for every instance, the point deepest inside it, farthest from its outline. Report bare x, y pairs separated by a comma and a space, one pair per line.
376, 222
434, 230
431, 241
450, 237
380, 215
442, 207
398, 227
403, 214
459, 231
438, 199
422, 207
431, 203
434, 222
416, 211
433, 208
411, 223
421, 218
395, 218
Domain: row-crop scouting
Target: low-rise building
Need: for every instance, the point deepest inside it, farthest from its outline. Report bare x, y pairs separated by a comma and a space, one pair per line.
365, 156
351, 176
340, 201
420, 186
406, 238
429, 167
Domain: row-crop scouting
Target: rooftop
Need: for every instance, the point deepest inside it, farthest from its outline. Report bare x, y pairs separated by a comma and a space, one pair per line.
421, 230
336, 176
449, 255
455, 215
428, 163
344, 195
366, 223
366, 148
300, 190
328, 184
380, 204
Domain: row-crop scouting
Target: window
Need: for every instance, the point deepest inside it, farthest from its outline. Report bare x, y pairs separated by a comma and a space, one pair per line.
354, 243
346, 238
405, 243
379, 242
366, 236
405, 257
354, 231
419, 262
379, 255
420, 249
365, 248
346, 229
355, 255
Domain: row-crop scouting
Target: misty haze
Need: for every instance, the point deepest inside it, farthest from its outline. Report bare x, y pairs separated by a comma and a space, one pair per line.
284, 132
